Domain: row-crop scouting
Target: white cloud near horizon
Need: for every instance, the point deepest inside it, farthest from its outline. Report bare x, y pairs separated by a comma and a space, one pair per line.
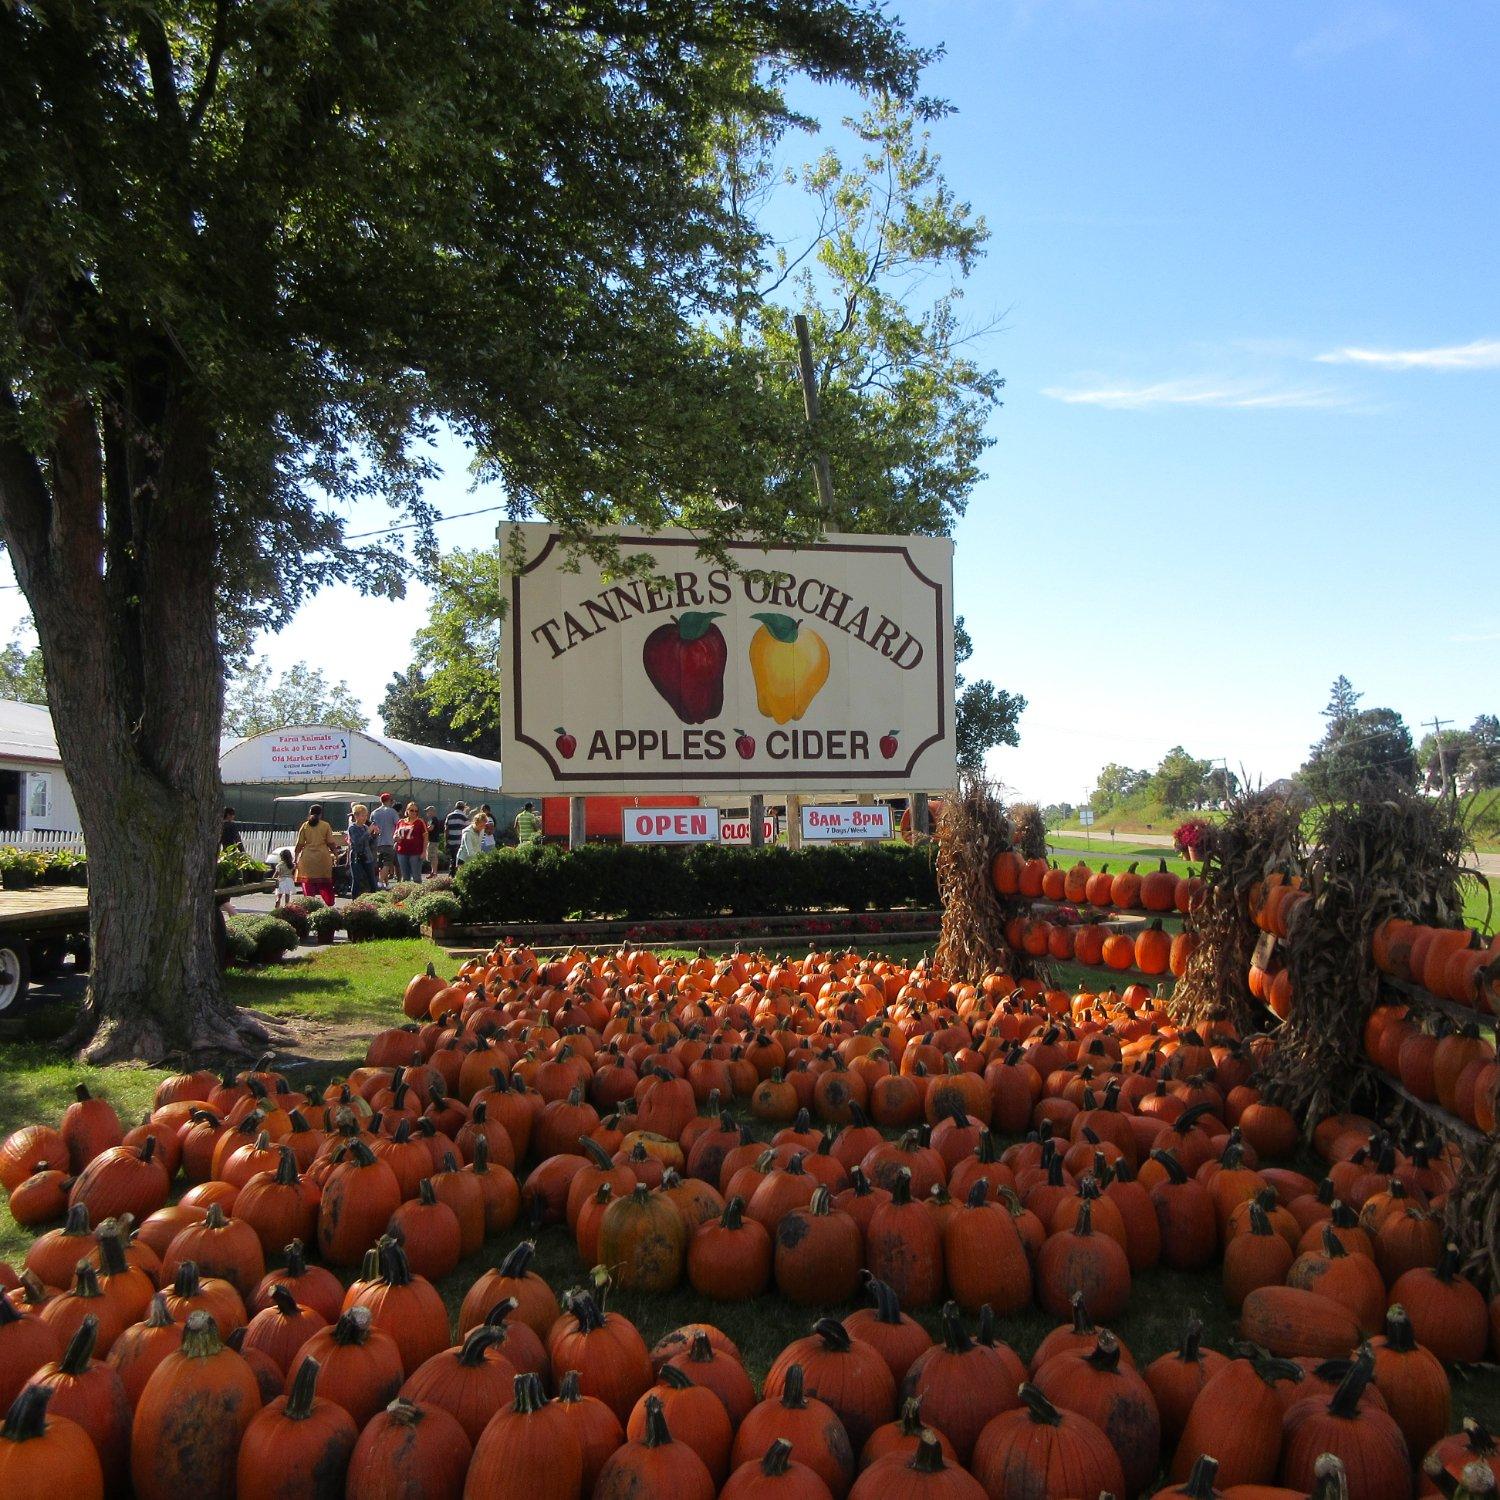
1479, 638
1480, 354
1236, 395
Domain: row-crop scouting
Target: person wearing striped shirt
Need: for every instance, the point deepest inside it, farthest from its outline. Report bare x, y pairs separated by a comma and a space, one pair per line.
453, 830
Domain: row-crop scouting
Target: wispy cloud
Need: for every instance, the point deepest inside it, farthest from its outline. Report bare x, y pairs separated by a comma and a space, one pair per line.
1362, 25
1238, 395
1479, 638
1481, 354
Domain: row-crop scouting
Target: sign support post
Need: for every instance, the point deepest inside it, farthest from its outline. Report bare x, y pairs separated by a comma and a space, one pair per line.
757, 819
921, 817
809, 379
578, 828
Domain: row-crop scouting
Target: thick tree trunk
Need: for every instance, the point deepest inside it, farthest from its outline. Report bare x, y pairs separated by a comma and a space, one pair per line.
114, 547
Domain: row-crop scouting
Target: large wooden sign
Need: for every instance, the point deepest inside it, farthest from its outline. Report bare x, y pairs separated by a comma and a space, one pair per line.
810, 669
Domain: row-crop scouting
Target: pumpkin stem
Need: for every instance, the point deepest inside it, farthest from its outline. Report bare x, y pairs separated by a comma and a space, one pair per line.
1345, 1401
1105, 1355
27, 1417
77, 1222
284, 1302
1330, 1482
1192, 1337
928, 1459
529, 1396
955, 1338
1040, 1409
200, 1336
1082, 1323
657, 1433
112, 1248
485, 1336
901, 1187
792, 1389
353, 1327
80, 1348
1170, 1164
676, 1377
299, 1401
86, 1281
1200, 1484
775, 1461
1447, 1267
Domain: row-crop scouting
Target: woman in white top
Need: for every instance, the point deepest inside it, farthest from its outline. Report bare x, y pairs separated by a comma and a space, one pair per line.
471, 844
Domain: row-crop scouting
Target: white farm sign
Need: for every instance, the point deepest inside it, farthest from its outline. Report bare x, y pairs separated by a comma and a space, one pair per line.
827, 667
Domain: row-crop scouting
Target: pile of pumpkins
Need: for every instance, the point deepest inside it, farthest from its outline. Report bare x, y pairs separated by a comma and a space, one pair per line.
1149, 950
1455, 965
839, 1128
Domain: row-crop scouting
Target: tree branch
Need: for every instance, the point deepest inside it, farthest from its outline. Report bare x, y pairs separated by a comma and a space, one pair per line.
211, 74
163, 74
25, 504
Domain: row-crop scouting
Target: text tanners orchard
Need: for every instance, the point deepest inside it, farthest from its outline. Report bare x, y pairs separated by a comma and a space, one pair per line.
810, 596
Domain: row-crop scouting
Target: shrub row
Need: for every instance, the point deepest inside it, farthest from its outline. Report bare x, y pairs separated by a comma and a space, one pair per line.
635, 881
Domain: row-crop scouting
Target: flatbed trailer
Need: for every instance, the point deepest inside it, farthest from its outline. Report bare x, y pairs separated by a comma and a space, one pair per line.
38, 929
41, 926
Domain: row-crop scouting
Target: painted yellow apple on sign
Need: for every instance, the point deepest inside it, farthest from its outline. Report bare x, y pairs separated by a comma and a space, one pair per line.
790, 663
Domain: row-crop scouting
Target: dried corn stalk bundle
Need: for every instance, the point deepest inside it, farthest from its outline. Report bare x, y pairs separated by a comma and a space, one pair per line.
1390, 853
1261, 832
971, 830
1472, 1216
1027, 830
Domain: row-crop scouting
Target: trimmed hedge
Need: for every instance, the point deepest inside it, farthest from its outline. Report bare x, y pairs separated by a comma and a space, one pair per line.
256, 938
638, 881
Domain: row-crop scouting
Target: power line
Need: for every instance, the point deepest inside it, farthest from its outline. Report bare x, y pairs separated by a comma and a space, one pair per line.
462, 515
361, 536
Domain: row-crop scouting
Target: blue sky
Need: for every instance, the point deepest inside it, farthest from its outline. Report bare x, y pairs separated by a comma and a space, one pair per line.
1247, 258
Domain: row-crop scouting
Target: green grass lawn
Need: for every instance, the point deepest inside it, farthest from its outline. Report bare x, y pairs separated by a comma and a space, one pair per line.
355, 990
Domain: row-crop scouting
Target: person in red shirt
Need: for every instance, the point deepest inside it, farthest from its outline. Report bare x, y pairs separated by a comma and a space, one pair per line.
411, 843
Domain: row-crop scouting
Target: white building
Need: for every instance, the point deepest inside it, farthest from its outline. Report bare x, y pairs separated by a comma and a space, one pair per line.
34, 794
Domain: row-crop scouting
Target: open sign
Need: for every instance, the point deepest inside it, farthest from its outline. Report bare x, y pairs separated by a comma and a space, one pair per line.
670, 825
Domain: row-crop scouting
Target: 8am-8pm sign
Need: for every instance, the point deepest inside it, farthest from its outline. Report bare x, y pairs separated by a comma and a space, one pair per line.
808, 669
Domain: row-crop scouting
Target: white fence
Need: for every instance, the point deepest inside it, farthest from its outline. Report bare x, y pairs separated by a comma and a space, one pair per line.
44, 839
260, 844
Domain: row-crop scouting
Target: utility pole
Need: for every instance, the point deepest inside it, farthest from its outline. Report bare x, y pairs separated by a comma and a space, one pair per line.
809, 378
1438, 725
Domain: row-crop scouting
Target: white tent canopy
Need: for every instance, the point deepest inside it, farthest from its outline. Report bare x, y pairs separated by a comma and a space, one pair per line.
322, 755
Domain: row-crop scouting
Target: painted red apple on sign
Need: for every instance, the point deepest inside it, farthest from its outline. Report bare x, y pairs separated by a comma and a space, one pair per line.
744, 744
566, 744
685, 660
888, 744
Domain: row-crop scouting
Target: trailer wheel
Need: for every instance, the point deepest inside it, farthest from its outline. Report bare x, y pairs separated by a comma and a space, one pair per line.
15, 972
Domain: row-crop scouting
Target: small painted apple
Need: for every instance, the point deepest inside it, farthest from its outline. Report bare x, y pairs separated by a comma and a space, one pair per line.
888, 743
744, 744
566, 744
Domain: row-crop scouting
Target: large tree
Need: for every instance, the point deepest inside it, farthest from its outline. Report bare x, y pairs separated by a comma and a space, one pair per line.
876, 261
1360, 749
985, 716
409, 712
250, 255
254, 703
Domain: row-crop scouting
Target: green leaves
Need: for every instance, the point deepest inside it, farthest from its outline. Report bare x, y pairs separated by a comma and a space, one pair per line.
692, 624
783, 627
